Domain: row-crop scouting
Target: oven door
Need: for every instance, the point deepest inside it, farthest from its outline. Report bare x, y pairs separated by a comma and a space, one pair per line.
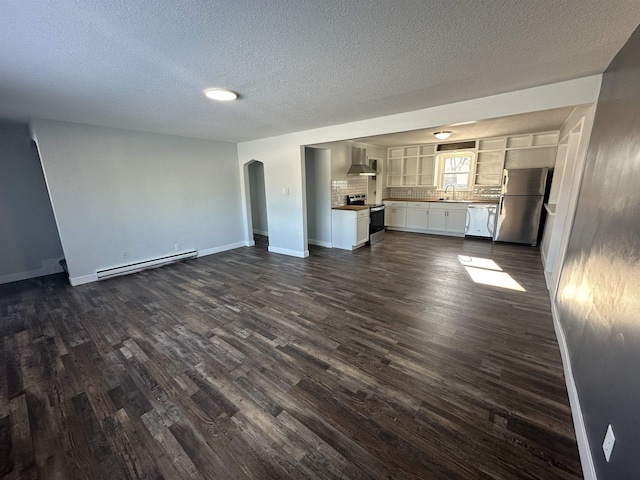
376, 225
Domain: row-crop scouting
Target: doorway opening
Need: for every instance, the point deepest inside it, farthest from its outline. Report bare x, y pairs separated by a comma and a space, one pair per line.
317, 172
257, 208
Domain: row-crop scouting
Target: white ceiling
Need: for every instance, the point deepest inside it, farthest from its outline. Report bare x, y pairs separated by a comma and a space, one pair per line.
297, 64
541, 121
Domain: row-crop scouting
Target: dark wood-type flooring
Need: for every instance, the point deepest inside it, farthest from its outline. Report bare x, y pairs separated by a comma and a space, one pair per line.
386, 362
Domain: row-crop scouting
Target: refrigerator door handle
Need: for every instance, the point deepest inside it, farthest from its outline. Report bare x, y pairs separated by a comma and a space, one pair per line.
500, 206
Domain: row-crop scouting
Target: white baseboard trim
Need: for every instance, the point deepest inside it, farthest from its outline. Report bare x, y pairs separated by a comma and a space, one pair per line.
260, 232
291, 253
48, 266
588, 469
223, 248
319, 243
75, 281
249, 243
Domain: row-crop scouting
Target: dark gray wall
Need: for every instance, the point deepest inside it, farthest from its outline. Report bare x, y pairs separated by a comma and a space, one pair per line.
28, 233
599, 294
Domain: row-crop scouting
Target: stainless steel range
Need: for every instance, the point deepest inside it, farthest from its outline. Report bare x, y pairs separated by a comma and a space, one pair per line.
376, 216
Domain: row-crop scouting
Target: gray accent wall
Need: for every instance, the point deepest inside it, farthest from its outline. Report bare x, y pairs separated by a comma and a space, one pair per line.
121, 196
29, 241
599, 294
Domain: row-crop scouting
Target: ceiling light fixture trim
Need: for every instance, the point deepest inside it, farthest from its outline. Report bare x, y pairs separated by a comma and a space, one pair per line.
221, 94
443, 135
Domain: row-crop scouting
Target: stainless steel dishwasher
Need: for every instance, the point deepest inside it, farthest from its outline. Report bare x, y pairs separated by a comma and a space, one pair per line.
481, 220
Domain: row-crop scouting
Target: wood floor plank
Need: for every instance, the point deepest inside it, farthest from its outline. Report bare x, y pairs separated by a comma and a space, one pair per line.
384, 362
23, 459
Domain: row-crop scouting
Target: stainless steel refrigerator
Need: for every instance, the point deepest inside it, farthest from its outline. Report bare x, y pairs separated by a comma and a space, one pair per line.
521, 205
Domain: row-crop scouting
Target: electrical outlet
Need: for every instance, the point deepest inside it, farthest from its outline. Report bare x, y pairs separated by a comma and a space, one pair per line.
177, 247
609, 442
125, 255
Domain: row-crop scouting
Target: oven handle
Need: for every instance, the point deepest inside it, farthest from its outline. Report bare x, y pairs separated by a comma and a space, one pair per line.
377, 209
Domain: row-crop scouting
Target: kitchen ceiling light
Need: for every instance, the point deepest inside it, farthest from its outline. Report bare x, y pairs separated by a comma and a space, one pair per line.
221, 94
443, 135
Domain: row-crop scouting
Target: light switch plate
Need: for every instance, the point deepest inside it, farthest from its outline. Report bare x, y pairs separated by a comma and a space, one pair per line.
609, 442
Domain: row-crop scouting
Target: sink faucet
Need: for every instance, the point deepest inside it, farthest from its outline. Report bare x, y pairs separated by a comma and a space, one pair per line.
447, 188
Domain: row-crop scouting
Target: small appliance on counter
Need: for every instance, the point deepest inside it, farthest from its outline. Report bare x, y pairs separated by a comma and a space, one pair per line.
376, 216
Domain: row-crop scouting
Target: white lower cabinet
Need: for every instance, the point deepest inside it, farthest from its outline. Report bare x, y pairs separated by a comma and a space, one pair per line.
449, 218
437, 220
395, 214
426, 217
362, 229
417, 215
456, 220
349, 228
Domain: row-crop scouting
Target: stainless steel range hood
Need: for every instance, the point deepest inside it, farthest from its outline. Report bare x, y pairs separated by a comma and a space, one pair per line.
359, 163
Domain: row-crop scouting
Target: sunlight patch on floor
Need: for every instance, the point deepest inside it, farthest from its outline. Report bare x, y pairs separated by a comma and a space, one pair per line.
487, 272
477, 262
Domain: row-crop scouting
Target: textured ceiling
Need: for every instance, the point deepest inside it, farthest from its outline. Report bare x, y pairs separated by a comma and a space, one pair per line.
297, 64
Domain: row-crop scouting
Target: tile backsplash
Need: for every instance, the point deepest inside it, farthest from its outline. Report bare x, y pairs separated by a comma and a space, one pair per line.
341, 188
431, 193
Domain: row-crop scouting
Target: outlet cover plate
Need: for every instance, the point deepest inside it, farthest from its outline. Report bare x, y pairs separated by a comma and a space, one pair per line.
609, 442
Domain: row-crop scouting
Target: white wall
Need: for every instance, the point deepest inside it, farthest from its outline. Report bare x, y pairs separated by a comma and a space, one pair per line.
341, 156
258, 199
576, 133
318, 184
116, 191
29, 241
282, 155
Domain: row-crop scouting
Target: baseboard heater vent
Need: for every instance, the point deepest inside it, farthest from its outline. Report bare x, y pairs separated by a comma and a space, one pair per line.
139, 266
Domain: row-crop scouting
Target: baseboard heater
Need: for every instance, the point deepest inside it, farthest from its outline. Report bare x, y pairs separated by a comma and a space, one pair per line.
139, 266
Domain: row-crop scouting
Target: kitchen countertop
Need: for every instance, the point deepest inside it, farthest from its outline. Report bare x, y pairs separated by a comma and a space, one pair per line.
352, 207
493, 202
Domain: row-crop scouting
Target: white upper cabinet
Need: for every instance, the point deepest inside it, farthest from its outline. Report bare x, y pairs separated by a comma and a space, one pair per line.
411, 166
490, 161
415, 165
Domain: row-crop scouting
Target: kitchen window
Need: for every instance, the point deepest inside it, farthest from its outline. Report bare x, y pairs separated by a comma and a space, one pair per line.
455, 168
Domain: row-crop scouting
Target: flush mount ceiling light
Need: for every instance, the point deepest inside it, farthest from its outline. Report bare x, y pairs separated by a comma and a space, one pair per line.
221, 94
443, 135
